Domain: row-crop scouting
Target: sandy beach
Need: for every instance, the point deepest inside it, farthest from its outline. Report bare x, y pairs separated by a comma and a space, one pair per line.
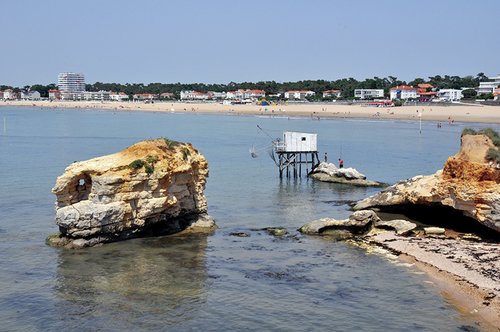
443, 114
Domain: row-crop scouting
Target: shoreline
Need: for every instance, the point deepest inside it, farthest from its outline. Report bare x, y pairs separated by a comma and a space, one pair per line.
457, 267
441, 114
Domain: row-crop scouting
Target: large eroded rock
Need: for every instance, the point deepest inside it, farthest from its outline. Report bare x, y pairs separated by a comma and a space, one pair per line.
467, 182
152, 187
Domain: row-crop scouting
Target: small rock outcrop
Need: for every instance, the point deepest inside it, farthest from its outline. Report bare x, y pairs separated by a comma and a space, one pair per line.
468, 182
153, 187
330, 173
359, 223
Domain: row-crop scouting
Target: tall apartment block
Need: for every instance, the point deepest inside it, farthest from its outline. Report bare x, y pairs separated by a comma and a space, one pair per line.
71, 82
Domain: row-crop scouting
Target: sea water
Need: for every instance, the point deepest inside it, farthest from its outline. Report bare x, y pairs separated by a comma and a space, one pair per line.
216, 281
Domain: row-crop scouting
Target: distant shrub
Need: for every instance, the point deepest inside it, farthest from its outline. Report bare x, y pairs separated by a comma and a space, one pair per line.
152, 159
493, 134
469, 131
493, 155
136, 164
170, 143
186, 153
149, 168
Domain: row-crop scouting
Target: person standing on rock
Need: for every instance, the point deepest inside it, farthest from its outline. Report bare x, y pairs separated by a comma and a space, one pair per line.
341, 163
325, 158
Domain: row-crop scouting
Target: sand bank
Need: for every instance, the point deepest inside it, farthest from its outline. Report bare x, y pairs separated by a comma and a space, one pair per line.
443, 114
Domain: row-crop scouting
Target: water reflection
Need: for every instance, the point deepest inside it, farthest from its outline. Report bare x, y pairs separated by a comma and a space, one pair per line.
142, 282
301, 199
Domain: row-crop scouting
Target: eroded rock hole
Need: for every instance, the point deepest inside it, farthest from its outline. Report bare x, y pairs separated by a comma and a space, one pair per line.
82, 188
439, 216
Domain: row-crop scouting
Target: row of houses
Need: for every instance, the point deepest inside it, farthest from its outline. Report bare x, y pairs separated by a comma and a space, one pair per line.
9, 94
423, 92
254, 94
104, 95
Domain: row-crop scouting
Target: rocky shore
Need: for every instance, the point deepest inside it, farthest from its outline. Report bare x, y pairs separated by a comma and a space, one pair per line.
466, 196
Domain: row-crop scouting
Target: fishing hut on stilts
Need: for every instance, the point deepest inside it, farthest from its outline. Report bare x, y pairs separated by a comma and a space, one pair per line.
293, 151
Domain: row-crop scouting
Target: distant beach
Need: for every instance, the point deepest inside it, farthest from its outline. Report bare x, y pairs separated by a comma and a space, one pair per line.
443, 114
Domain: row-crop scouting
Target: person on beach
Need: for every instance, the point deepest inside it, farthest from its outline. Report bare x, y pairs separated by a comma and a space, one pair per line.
325, 158
341, 163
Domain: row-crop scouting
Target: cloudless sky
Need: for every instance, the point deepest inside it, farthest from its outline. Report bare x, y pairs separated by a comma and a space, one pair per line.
219, 41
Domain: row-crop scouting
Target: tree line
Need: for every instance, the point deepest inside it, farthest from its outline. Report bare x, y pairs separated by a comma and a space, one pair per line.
345, 85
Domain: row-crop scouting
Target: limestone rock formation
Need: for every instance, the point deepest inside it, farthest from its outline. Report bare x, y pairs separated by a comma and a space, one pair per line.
152, 187
402, 227
467, 182
358, 223
330, 173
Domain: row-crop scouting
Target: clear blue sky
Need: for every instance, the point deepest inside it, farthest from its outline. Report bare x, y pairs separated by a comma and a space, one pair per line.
219, 41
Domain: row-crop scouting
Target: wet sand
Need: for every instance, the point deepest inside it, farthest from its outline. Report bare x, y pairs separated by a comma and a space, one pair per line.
444, 114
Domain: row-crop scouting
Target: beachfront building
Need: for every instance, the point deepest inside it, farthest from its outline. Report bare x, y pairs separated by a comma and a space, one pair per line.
54, 94
426, 92
30, 95
216, 95
166, 95
71, 82
117, 96
332, 94
403, 92
190, 94
1, 94
85, 95
368, 93
450, 94
496, 93
299, 94
254, 94
144, 96
9, 94
488, 87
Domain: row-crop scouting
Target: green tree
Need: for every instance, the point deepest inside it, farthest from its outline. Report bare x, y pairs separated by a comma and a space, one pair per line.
469, 93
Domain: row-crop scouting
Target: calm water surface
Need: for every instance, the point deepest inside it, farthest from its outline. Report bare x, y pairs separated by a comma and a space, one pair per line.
216, 281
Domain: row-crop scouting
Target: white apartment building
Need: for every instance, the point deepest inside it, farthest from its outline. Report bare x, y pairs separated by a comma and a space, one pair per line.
71, 82
403, 92
450, 94
368, 93
488, 87
299, 94
85, 95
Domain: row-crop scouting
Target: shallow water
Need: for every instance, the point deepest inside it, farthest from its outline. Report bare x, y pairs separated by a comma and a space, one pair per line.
215, 281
